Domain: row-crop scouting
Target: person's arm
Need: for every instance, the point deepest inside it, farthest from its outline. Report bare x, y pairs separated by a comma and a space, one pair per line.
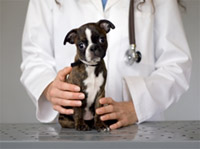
38, 65
155, 93
46, 87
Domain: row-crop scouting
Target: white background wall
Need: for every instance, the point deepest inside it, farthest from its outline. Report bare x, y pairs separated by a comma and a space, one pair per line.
15, 103
0, 61
16, 106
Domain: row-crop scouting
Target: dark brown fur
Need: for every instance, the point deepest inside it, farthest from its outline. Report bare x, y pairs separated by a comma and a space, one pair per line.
79, 74
77, 77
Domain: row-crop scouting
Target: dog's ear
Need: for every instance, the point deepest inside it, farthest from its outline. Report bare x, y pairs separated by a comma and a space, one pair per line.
70, 37
106, 25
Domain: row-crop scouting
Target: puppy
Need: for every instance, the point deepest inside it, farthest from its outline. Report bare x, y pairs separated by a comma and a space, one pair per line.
89, 73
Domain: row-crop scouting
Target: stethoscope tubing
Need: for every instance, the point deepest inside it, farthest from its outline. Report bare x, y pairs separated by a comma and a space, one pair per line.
131, 53
132, 40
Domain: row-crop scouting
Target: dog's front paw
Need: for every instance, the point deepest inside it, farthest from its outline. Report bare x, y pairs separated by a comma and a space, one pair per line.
82, 127
101, 126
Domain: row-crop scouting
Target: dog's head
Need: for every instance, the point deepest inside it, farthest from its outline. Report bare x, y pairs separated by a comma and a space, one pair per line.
90, 40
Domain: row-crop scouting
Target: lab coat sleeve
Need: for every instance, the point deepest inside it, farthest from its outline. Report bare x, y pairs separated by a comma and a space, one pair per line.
153, 94
38, 65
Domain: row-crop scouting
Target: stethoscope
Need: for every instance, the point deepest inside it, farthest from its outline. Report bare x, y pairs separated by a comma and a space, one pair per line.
131, 54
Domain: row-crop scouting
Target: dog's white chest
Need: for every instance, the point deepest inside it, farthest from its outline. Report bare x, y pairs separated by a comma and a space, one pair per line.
93, 84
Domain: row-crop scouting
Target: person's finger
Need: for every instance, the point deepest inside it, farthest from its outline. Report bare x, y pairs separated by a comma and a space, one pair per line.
116, 125
67, 87
105, 109
62, 73
106, 101
64, 102
110, 116
63, 110
66, 95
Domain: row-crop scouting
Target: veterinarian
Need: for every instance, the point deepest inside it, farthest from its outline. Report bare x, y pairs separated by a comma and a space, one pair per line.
134, 93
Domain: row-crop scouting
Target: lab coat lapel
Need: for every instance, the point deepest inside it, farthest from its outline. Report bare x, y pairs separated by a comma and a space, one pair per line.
110, 3
98, 4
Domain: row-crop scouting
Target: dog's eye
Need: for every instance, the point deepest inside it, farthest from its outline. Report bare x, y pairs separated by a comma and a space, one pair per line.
81, 46
101, 40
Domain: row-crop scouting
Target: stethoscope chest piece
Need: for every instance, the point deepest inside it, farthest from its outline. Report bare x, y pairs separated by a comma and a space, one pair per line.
133, 56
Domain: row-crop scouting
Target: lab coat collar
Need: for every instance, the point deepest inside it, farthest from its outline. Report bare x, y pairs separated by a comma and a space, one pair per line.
110, 3
98, 4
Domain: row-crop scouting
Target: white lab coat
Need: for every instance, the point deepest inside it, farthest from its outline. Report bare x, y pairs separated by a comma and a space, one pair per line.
154, 84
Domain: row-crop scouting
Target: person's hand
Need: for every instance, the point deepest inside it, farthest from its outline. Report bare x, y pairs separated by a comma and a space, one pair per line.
123, 112
61, 93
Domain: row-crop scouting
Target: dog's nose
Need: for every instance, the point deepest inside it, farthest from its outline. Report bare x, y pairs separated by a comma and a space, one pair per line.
97, 52
93, 48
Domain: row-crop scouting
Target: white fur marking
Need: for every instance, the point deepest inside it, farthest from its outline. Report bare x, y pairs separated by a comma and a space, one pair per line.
93, 85
88, 34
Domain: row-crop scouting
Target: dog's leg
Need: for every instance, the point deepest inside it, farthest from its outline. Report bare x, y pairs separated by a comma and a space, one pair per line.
100, 125
65, 121
79, 121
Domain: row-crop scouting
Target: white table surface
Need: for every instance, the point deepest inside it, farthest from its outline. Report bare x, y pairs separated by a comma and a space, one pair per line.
170, 134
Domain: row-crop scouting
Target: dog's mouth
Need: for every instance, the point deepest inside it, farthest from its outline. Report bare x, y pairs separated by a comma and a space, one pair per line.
92, 62
95, 60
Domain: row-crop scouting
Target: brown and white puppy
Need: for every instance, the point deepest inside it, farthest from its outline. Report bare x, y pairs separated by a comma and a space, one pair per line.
88, 72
